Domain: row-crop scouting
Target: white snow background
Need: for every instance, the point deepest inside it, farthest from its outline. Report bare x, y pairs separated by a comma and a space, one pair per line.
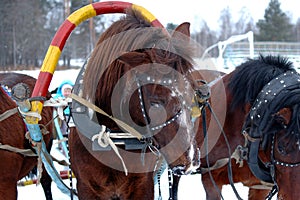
190, 187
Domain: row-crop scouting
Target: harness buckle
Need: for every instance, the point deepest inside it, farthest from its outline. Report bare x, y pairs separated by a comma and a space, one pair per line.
242, 152
202, 93
249, 138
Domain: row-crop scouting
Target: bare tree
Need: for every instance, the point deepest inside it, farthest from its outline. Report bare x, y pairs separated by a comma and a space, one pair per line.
297, 30
206, 37
226, 24
245, 22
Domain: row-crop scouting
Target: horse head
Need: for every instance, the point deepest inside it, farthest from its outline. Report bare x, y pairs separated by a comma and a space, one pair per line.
143, 81
272, 123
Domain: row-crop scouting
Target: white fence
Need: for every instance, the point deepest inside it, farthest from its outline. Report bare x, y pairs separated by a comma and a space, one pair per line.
238, 52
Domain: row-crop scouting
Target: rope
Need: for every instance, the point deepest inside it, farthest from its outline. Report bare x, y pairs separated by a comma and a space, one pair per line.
60, 104
122, 124
30, 114
8, 113
104, 140
263, 186
24, 152
221, 163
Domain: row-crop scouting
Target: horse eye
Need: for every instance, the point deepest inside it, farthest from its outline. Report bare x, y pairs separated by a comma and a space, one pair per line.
280, 120
157, 102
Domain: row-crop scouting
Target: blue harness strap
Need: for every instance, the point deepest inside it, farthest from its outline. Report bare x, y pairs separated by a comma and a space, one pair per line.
50, 168
60, 134
6, 90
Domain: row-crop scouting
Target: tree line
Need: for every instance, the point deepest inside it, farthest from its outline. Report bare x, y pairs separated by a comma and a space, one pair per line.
276, 26
27, 28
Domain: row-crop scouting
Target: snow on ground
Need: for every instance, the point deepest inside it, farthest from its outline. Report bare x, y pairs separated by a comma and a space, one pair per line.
57, 78
190, 187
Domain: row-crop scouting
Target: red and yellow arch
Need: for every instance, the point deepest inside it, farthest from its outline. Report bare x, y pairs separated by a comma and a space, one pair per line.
61, 36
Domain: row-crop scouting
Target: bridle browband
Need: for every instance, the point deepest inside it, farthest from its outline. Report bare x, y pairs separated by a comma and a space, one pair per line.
268, 102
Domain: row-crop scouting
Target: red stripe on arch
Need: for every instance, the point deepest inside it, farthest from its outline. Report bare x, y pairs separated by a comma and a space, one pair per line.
62, 34
44, 78
111, 7
157, 23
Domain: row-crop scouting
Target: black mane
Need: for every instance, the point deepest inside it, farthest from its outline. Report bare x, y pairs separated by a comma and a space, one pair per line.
250, 77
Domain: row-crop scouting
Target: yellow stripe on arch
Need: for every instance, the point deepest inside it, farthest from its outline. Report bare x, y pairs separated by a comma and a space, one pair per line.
145, 13
36, 106
51, 59
82, 14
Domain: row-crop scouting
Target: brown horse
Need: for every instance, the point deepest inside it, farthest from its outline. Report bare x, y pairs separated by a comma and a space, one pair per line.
14, 166
136, 73
270, 139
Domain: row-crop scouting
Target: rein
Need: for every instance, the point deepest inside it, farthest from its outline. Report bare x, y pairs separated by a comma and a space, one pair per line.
8, 113
229, 167
24, 152
201, 98
99, 110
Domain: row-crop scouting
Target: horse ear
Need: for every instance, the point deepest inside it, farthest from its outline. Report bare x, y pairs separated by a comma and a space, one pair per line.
184, 29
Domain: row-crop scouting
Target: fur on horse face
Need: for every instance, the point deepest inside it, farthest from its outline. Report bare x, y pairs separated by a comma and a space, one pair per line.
288, 138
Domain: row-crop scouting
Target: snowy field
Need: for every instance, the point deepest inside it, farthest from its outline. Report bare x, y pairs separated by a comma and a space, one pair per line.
190, 187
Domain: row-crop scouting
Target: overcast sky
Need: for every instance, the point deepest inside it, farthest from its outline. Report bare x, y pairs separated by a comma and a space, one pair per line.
194, 11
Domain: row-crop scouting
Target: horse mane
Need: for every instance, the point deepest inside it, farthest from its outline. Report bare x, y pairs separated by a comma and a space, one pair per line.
130, 34
251, 76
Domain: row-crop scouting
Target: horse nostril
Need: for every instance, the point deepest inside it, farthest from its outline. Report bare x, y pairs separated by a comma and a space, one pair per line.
282, 150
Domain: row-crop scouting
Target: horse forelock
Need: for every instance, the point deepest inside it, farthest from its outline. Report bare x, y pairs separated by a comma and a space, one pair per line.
131, 33
251, 76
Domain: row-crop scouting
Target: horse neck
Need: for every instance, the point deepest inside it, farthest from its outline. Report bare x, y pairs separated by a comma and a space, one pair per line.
6, 101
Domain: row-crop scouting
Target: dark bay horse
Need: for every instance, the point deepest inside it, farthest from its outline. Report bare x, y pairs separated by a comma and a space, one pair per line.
261, 131
136, 73
14, 166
